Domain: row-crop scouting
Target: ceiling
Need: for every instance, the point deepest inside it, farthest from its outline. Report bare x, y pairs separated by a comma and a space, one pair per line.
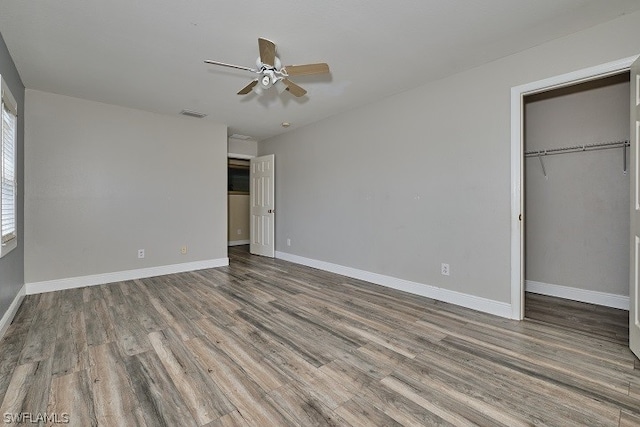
148, 54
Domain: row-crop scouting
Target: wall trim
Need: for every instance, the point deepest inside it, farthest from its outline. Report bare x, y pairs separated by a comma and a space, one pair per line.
6, 320
517, 199
240, 156
576, 294
238, 242
485, 305
119, 276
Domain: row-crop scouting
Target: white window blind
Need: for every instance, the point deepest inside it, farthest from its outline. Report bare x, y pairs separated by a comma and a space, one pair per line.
8, 176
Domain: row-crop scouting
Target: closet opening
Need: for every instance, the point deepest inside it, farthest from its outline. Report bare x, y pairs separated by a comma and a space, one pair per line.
238, 196
576, 203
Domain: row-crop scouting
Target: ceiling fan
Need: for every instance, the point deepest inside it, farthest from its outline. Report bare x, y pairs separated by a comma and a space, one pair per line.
271, 72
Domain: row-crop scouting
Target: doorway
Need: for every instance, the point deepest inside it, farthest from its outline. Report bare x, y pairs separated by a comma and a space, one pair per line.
251, 204
576, 194
238, 196
517, 163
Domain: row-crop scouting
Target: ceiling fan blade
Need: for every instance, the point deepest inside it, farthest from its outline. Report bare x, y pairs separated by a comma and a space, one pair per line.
239, 67
245, 90
294, 88
267, 51
307, 69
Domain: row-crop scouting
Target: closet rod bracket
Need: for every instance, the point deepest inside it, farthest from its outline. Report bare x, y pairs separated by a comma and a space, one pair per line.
544, 171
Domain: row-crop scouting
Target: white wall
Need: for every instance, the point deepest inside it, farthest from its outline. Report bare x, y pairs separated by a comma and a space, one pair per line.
577, 219
423, 177
104, 181
242, 148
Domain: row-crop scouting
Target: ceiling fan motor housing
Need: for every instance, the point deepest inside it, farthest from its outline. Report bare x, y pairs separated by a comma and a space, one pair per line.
269, 74
277, 64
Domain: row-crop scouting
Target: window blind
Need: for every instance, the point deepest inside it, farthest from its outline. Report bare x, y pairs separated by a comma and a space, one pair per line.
8, 179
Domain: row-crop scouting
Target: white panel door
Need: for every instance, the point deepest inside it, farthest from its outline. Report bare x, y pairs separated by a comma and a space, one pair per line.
263, 206
634, 291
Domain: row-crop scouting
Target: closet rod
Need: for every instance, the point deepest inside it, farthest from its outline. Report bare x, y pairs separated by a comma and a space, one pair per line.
577, 148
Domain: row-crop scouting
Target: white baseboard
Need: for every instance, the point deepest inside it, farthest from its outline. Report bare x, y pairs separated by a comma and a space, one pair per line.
238, 242
6, 320
485, 305
119, 276
575, 294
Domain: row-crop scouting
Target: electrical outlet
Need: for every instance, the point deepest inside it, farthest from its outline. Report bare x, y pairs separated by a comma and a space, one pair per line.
239, 231
288, 242
140, 253
444, 269
183, 250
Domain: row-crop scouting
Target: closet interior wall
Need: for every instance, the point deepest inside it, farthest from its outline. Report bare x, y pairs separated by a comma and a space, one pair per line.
577, 216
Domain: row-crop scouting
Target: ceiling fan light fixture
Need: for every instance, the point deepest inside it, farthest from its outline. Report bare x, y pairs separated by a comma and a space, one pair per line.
280, 86
265, 81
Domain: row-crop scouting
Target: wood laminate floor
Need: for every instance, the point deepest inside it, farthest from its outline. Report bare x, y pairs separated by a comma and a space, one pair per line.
596, 320
268, 343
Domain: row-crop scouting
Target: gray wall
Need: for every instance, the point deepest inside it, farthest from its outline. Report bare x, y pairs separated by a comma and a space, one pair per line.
577, 219
423, 177
104, 181
12, 265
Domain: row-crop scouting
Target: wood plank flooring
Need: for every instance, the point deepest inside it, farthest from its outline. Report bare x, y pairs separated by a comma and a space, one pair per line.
605, 322
264, 342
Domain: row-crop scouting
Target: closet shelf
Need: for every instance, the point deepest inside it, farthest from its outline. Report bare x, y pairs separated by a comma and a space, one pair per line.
577, 148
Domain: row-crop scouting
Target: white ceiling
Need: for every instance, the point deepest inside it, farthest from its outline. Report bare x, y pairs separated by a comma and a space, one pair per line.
148, 54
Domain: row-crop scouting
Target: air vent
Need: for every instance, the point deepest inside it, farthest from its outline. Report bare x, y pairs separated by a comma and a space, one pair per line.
192, 114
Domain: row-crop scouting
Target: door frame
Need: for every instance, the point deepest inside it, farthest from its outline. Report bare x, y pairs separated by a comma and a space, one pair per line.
517, 148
